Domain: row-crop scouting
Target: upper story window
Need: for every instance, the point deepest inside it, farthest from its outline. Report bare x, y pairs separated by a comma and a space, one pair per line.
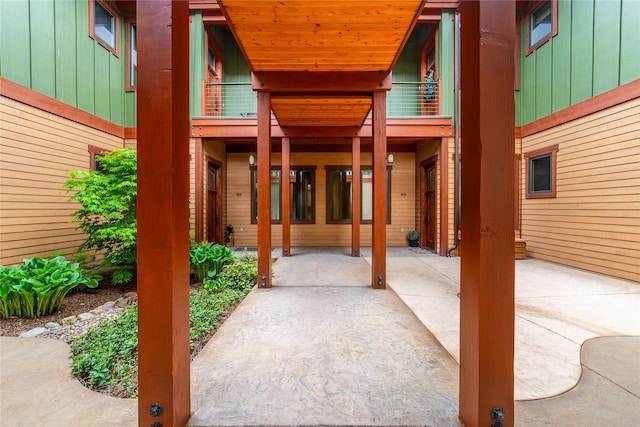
132, 55
541, 173
542, 23
104, 25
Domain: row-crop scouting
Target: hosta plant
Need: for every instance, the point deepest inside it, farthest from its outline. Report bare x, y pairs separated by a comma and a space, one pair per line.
38, 286
207, 259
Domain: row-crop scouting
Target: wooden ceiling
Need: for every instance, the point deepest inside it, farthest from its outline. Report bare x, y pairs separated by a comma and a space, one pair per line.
298, 38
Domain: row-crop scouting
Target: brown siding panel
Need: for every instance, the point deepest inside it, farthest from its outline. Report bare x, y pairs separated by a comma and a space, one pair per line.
38, 149
593, 223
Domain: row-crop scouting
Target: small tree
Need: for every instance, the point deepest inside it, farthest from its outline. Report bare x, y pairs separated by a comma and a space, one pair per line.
107, 211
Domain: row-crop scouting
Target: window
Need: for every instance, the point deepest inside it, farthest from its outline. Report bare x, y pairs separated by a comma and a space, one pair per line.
542, 23
339, 195
275, 196
104, 25
541, 173
301, 180
94, 154
132, 55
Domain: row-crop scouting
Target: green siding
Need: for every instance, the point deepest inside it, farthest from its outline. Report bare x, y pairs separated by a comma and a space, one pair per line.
446, 38
595, 50
15, 61
197, 54
581, 50
606, 45
561, 80
630, 42
45, 46
43, 78
65, 12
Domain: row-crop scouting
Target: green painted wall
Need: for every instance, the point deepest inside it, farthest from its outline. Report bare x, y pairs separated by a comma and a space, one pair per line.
595, 50
45, 46
197, 55
446, 40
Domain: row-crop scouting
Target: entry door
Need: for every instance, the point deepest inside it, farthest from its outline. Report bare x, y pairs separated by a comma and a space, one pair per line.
428, 227
214, 208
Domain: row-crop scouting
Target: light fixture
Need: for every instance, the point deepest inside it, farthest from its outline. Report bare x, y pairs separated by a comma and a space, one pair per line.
390, 158
252, 160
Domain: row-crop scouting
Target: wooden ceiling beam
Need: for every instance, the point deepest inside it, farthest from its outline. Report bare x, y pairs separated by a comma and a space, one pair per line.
321, 81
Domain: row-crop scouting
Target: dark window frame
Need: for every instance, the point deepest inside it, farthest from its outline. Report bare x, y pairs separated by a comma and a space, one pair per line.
311, 169
329, 201
130, 23
529, 157
95, 152
527, 19
254, 203
115, 50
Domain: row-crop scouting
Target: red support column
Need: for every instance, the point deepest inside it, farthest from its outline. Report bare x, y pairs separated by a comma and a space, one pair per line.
355, 196
264, 189
199, 187
487, 247
163, 213
379, 232
286, 197
444, 196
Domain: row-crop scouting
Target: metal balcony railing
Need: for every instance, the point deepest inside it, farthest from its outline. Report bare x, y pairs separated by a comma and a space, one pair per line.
406, 99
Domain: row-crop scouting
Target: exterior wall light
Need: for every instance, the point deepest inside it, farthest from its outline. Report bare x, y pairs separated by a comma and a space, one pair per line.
252, 160
390, 158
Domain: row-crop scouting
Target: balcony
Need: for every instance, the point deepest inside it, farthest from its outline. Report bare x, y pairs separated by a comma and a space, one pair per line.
238, 100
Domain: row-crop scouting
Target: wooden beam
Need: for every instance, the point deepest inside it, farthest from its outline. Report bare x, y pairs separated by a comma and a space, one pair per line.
321, 81
487, 247
163, 213
444, 196
264, 189
286, 197
355, 196
379, 231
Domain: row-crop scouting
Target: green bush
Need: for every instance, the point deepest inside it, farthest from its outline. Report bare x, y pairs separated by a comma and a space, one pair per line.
38, 286
106, 357
207, 259
107, 213
241, 274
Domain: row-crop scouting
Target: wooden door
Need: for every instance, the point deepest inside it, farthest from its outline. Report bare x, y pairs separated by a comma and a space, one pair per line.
428, 205
214, 205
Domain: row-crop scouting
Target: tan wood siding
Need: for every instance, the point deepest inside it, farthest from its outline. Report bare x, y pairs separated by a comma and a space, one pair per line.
37, 150
594, 221
403, 202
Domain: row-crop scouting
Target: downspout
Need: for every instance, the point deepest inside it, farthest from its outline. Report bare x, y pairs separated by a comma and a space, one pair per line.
456, 136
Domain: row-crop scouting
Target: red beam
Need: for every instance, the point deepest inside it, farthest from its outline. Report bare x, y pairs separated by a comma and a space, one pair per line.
355, 196
379, 229
163, 213
322, 81
264, 189
487, 247
286, 197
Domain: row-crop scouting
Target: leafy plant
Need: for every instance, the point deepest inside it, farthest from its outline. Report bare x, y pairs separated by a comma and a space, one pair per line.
413, 235
106, 357
107, 211
241, 274
207, 259
38, 286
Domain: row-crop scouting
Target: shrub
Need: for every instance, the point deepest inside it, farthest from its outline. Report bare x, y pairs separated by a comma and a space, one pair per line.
38, 286
241, 274
106, 357
107, 211
207, 259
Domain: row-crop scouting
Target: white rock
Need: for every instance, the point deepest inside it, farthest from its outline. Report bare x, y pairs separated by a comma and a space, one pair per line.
69, 320
52, 325
33, 332
85, 316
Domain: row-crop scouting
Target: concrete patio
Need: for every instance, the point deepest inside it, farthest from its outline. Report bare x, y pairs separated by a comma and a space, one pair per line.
323, 348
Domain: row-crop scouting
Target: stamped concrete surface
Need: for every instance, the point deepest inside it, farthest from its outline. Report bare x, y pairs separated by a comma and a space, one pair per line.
37, 389
324, 355
558, 308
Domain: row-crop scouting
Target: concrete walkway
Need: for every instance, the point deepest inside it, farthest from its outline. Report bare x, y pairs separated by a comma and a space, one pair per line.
323, 348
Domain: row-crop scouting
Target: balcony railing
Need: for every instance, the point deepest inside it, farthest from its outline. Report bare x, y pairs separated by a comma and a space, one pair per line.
406, 99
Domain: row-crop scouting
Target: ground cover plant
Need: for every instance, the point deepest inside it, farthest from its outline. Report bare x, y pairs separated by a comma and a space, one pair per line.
105, 359
38, 286
107, 213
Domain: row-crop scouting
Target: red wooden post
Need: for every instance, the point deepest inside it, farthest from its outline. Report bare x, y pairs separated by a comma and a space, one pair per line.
163, 213
379, 232
444, 196
264, 189
487, 264
200, 191
286, 197
355, 196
